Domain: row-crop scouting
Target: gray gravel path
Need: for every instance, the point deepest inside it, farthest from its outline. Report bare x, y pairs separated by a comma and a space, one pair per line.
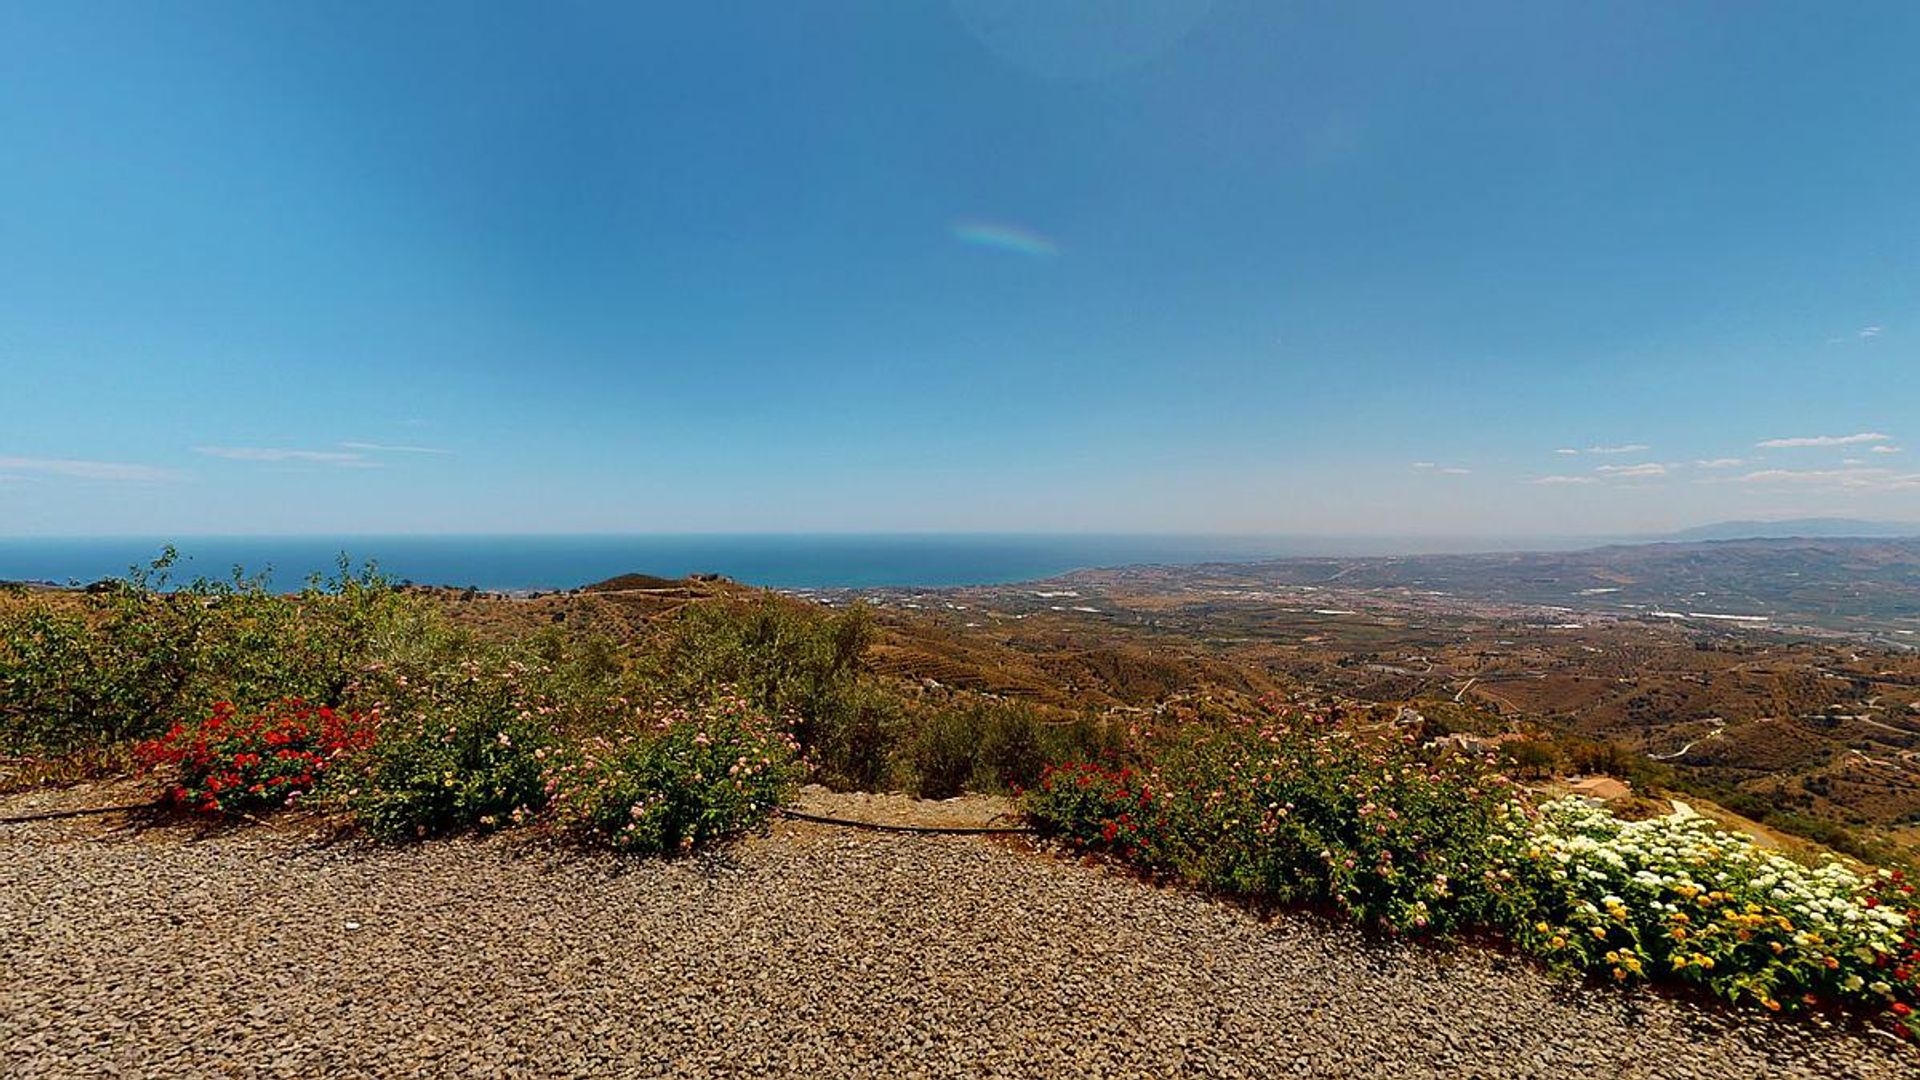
813, 952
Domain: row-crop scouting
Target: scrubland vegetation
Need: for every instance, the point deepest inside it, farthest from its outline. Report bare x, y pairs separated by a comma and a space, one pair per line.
1293, 808
370, 702
355, 695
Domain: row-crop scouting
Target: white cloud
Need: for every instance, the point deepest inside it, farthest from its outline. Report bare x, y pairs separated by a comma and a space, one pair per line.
1627, 472
1434, 466
1566, 450
88, 470
1626, 448
350, 455
1824, 440
1720, 462
1886, 449
1564, 480
382, 448
1425, 465
1852, 477
1869, 332
343, 458
1455, 470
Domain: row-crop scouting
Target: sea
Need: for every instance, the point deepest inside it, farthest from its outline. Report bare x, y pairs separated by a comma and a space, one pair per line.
538, 563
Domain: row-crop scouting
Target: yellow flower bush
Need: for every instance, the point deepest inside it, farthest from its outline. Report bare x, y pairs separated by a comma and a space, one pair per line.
1678, 898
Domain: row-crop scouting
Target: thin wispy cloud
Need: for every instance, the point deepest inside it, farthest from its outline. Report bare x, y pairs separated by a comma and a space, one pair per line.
75, 469
1568, 450
383, 448
347, 455
1624, 448
1602, 473
1720, 463
343, 458
1436, 467
1868, 333
1886, 449
1002, 236
1628, 472
1855, 478
1823, 440
1425, 465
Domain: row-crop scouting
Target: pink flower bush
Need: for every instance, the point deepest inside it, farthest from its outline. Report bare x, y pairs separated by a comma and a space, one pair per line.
689, 778
1299, 809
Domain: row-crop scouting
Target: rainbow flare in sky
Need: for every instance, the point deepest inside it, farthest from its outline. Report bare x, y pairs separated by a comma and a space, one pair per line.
1003, 237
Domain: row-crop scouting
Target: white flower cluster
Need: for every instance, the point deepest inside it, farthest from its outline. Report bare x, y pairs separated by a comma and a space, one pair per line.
1662, 864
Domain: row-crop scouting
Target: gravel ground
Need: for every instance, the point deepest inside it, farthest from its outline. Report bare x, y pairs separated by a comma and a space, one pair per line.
812, 952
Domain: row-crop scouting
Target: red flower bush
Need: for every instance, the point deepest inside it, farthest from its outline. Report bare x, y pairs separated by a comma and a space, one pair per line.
229, 763
1106, 809
1892, 890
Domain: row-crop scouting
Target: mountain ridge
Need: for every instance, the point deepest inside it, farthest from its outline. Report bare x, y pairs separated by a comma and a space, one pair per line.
1808, 528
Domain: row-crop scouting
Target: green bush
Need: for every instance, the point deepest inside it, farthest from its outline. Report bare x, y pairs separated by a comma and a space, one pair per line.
692, 777
52, 695
467, 750
786, 657
1299, 810
1533, 758
1015, 747
857, 747
943, 752
971, 742
128, 659
588, 678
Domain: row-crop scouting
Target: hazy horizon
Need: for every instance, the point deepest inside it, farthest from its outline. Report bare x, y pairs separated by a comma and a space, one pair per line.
818, 559
805, 560
1501, 270
1504, 538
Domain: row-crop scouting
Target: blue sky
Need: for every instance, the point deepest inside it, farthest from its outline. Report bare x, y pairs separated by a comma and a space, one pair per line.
988, 264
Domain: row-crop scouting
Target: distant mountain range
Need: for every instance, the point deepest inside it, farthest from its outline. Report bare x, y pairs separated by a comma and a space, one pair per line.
1812, 528
1863, 586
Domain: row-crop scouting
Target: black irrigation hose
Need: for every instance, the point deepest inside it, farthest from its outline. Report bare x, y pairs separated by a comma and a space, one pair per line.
53, 815
965, 830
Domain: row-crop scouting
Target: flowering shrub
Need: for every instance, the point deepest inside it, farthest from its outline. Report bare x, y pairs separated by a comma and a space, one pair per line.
1296, 810
467, 754
230, 763
1096, 807
691, 778
1678, 899
1891, 891
126, 658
